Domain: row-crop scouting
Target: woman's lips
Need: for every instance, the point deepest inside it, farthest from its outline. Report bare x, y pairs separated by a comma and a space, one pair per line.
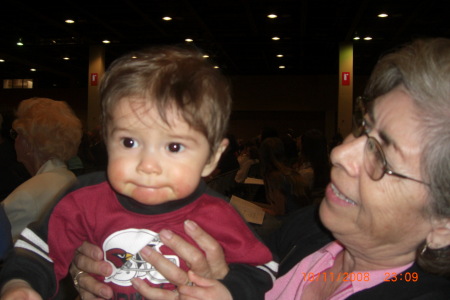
334, 195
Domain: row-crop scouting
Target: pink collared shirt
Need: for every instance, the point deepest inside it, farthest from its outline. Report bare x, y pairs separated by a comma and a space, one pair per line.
291, 285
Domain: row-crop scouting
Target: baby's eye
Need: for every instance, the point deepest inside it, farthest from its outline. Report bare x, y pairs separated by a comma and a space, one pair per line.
175, 147
129, 143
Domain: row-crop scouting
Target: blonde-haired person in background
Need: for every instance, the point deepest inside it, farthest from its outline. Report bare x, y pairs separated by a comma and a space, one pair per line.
47, 133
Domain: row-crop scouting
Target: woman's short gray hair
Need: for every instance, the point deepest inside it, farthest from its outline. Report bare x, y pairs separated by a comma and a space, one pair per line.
423, 68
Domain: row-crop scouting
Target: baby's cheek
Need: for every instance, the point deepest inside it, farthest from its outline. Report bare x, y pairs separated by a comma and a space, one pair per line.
117, 178
185, 188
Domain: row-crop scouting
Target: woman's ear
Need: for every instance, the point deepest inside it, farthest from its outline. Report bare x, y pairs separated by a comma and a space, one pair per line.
439, 236
214, 159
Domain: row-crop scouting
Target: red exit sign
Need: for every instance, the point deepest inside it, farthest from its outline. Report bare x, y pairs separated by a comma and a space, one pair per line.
94, 78
345, 78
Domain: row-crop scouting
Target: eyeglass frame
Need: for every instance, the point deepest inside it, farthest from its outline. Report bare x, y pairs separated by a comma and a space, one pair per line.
359, 125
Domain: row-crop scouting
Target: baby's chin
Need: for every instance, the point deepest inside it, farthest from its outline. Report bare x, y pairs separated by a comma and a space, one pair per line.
149, 196
153, 195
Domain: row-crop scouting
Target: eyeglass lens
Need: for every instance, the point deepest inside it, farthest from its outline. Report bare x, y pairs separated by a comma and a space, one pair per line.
358, 117
374, 161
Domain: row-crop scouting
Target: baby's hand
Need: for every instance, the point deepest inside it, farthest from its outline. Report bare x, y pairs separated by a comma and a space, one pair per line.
203, 288
17, 289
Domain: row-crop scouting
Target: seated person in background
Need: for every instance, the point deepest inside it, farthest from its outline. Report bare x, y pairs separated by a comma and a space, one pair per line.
47, 133
247, 158
12, 173
390, 223
290, 149
314, 162
165, 114
285, 188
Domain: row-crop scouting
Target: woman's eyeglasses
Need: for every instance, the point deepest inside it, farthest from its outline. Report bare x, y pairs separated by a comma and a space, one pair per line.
375, 162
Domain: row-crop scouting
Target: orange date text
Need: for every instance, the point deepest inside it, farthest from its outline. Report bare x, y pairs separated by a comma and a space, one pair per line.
339, 277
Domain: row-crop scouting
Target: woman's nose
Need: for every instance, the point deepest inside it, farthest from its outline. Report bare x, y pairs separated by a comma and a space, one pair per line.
349, 155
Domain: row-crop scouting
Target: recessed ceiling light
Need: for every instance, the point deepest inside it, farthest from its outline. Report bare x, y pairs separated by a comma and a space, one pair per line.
282, 67
275, 38
19, 42
188, 40
272, 16
356, 38
66, 58
167, 18
69, 21
383, 15
205, 55
33, 70
216, 67
280, 55
2, 60
367, 38
106, 41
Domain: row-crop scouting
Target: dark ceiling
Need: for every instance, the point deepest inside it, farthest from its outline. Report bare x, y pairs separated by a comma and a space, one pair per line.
236, 33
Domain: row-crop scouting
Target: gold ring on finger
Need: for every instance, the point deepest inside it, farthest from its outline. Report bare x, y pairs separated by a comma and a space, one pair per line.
76, 279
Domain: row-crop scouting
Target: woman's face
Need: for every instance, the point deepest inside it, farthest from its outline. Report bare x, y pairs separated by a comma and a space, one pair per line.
385, 219
22, 148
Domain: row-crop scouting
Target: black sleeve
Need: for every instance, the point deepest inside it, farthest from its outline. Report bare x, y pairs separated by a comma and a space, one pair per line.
5, 234
29, 259
247, 282
22, 264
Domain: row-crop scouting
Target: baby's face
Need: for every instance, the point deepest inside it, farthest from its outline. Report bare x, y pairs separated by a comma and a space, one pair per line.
150, 161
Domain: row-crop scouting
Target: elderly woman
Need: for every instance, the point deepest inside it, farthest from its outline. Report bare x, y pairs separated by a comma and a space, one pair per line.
47, 133
387, 206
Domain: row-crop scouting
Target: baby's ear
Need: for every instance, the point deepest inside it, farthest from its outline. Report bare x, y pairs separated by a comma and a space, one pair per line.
439, 236
211, 164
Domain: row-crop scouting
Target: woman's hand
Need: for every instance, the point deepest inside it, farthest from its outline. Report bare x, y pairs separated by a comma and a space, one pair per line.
198, 288
17, 289
89, 258
213, 266
204, 288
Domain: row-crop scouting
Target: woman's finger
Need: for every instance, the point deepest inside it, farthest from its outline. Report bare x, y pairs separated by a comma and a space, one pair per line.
213, 250
153, 293
90, 260
194, 258
204, 288
90, 250
168, 269
88, 287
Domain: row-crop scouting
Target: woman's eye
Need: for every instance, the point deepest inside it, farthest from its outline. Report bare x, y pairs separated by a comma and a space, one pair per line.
129, 143
175, 147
